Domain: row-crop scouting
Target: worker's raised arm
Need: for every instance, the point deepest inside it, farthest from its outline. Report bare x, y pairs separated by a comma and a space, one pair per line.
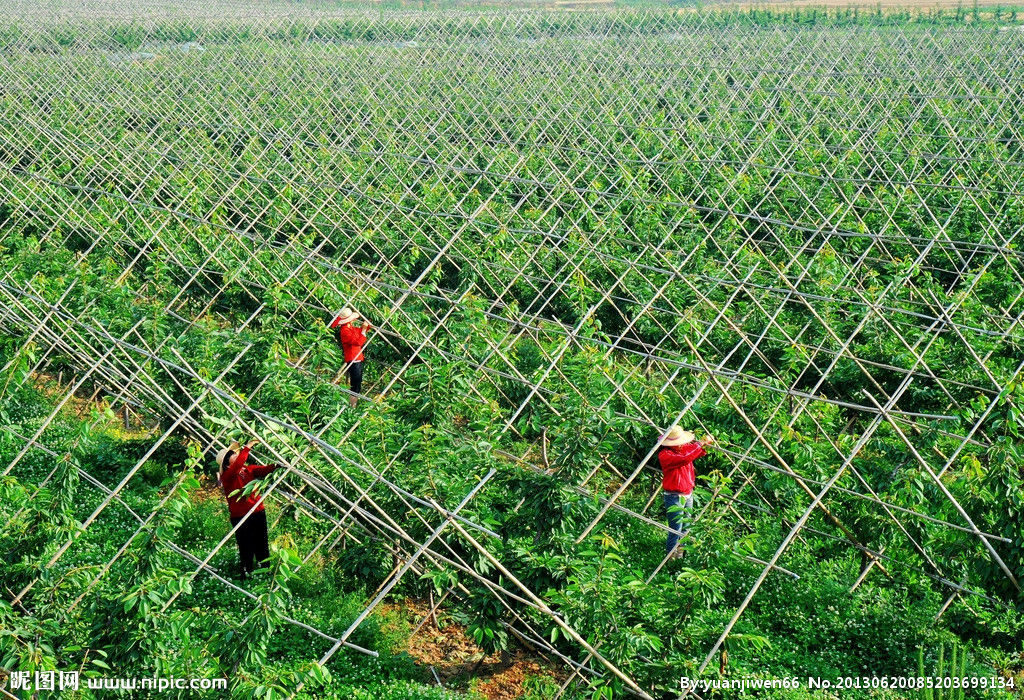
681, 455
353, 337
239, 459
693, 450
259, 471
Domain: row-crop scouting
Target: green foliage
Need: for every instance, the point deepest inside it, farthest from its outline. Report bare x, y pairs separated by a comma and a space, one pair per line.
946, 680
591, 220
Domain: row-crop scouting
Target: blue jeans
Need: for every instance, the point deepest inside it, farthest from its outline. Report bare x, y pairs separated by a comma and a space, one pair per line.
675, 517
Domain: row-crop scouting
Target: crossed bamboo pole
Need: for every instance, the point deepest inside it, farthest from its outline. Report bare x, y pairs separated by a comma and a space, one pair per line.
204, 564
448, 252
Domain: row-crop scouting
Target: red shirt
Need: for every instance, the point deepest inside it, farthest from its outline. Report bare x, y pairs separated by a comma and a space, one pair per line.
352, 340
236, 476
677, 466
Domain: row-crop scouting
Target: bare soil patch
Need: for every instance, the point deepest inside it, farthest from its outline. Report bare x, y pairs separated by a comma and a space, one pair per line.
459, 662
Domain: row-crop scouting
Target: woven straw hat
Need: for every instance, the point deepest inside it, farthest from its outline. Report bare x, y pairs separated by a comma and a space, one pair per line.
677, 436
347, 315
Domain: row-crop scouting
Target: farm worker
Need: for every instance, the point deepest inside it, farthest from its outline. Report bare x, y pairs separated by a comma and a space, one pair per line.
234, 474
679, 448
351, 339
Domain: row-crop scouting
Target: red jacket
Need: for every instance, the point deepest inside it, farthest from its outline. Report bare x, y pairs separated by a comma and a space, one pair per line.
236, 476
352, 340
677, 466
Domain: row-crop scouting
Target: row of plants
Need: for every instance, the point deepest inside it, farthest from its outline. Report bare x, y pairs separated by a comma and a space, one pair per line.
216, 24
241, 242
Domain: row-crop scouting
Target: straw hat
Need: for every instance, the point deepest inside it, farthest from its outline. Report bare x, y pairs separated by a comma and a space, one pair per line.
347, 315
677, 436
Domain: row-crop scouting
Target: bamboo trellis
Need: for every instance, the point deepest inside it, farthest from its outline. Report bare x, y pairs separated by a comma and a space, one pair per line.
539, 169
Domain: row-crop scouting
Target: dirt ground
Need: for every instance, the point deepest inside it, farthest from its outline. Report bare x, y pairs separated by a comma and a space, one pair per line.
461, 664
82, 405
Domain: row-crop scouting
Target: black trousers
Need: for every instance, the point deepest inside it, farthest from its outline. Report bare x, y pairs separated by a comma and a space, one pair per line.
252, 540
355, 377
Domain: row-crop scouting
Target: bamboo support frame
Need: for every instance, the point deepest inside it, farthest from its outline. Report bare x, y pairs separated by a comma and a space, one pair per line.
728, 351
